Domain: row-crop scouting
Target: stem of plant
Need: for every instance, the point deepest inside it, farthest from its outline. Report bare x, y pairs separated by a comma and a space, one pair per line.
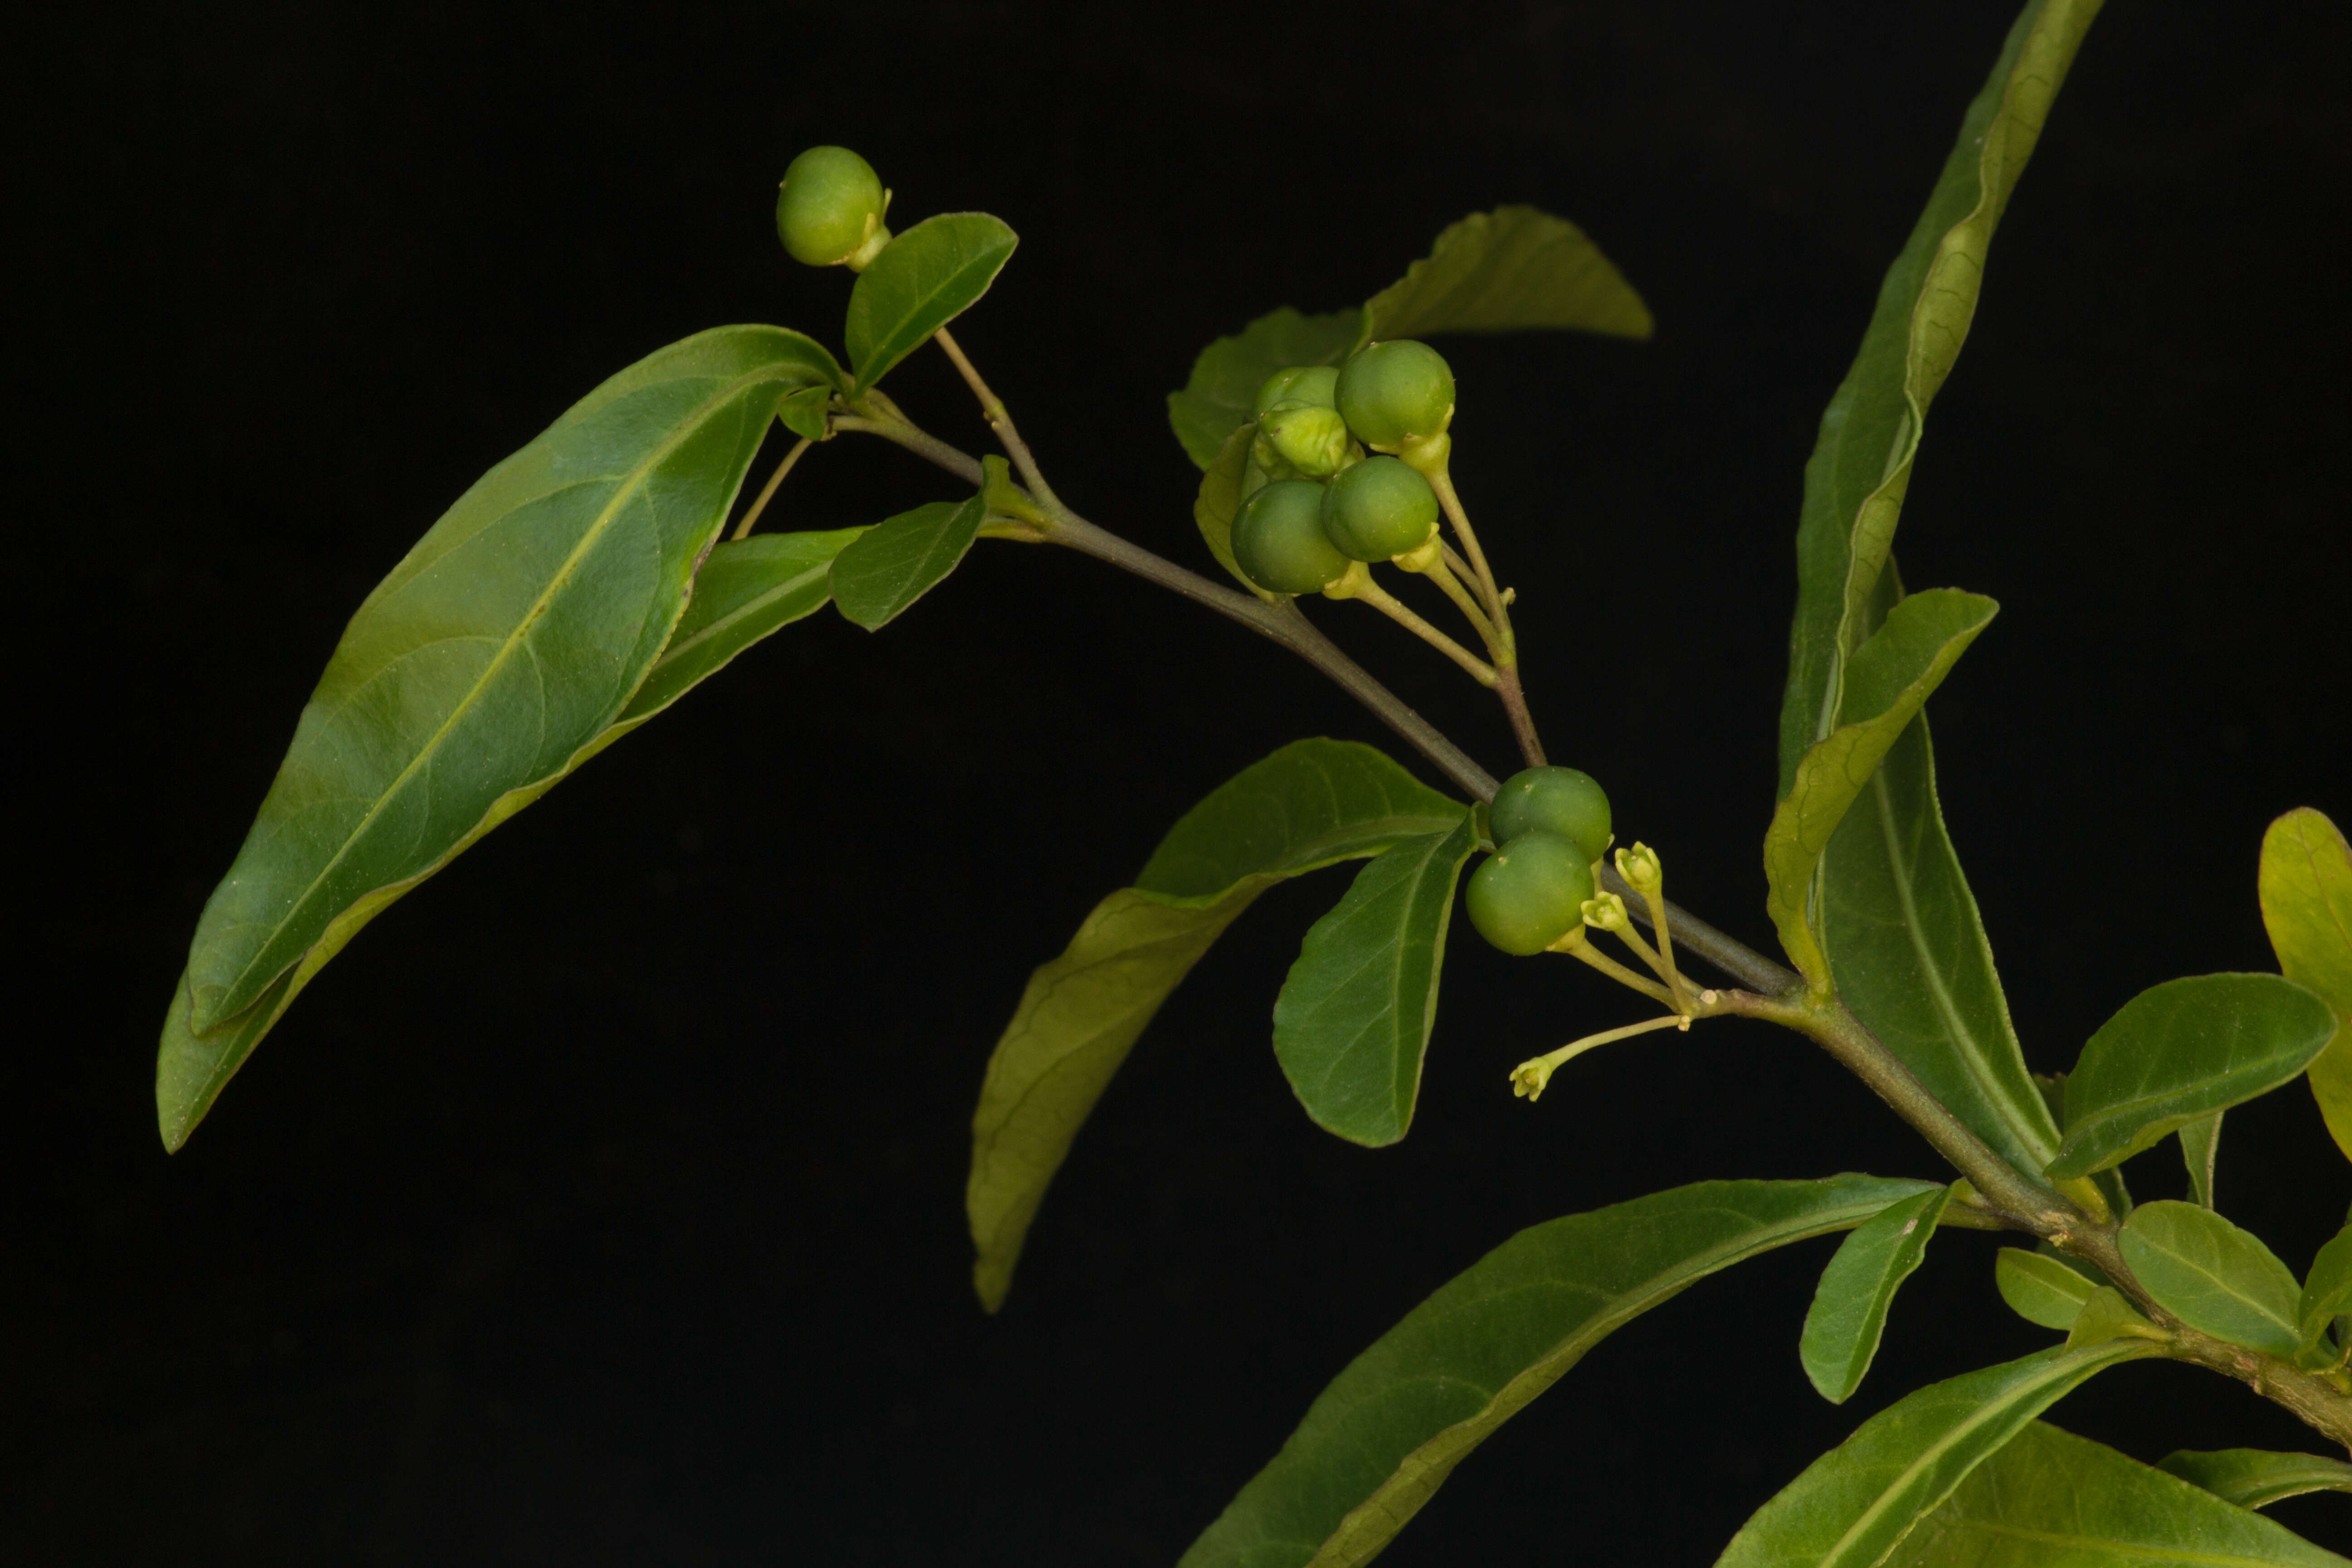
1451, 586
1359, 586
768, 490
1576, 944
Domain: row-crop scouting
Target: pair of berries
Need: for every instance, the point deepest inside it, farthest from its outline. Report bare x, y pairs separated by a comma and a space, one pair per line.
1300, 535
1552, 825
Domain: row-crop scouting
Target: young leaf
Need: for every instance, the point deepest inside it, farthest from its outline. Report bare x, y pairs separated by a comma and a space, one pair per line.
2201, 1149
504, 642
1849, 1311
2252, 1477
923, 279
2108, 1316
747, 589
1222, 393
900, 559
1510, 269
2306, 891
1852, 1506
2041, 1289
2180, 1051
1220, 496
1891, 677
2051, 1500
804, 412
1382, 1437
2213, 1276
2327, 1292
1310, 804
1355, 1013
1861, 466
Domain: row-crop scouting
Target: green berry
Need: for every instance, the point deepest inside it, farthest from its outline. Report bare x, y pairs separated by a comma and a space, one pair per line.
1279, 543
1311, 439
1557, 800
1379, 507
1394, 393
1312, 384
830, 204
1530, 892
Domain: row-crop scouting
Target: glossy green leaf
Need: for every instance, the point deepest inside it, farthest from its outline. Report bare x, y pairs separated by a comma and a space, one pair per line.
1854, 1504
747, 589
2327, 1293
923, 279
2041, 1289
1383, 1436
2306, 891
1510, 269
2200, 1150
1888, 679
1222, 393
900, 559
1310, 804
1861, 466
2213, 1276
2051, 1500
1220, 497
2256, 1478
2180, 1051
1848, 1316
2109, 1183
1354, 1017
474, 675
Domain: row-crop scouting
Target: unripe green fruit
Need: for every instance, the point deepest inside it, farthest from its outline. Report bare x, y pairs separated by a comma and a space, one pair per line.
1379, 507
1313, 441
1530, 892
1557, 800
1396, 392
1278, 539
1314, 384
831, 201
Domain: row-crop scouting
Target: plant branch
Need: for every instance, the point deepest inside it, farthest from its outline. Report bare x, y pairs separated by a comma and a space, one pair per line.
1387, 604
767, 491
1515, 704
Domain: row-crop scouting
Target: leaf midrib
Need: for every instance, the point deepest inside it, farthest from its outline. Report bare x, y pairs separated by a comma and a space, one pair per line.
887, 351
2219, 1282
2110, 1547
735, 617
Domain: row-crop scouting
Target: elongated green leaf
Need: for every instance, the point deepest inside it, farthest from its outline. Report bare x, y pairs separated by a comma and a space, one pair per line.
2213, 1276
1220, 497
1855, 1503
747, 589
2041, 1289
1508, 270
1891, 677
2200, 1150
1354, 1017
2256, 1478
1380, 1441
900, 559
1861, 466
1310, 804
2051, 1500
923, 279
2306, 891
1222, 393
2108, 1316
1848, 1316
2180, 1051
2327, 1292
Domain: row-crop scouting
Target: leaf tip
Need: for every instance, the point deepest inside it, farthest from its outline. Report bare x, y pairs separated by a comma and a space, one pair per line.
992, 1281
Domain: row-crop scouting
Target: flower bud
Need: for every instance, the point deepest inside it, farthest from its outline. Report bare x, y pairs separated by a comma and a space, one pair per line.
830, 207
1300, 383
1311, 439
1378, 508
1396, 393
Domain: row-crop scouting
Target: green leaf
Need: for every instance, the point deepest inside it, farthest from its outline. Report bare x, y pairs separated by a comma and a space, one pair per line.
1355, 1013
1848, 1316
2109, 1316
804, 412
2201, 1149
2180, 1051
2051, 1500
472, 677
923, 279
1852, 1506
1378, 1442
2041, 1289
1512, 268
1310, 804
2254, 1477
747, 589
1890, 678
2109, 1183
900, 559
1861, 466
1220, 497
2327, 1292
2213, 1276
2306, 891
1222, 393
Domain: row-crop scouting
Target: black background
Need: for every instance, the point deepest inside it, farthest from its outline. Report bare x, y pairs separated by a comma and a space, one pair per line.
603, 1202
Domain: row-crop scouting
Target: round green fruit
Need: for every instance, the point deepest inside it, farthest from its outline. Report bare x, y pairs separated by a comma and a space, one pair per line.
1278, 539
829, 204
1395, 393
1530, 892
1379, 507
1557, 800
1312, 384
1312, 439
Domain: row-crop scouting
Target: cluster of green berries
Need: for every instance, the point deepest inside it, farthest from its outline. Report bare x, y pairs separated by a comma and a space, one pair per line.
829, 208
1325, 504
1552, 825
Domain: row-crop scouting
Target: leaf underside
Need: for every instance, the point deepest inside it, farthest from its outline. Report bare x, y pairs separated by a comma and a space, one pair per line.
2256, 1478
1848, 1316
897, 561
